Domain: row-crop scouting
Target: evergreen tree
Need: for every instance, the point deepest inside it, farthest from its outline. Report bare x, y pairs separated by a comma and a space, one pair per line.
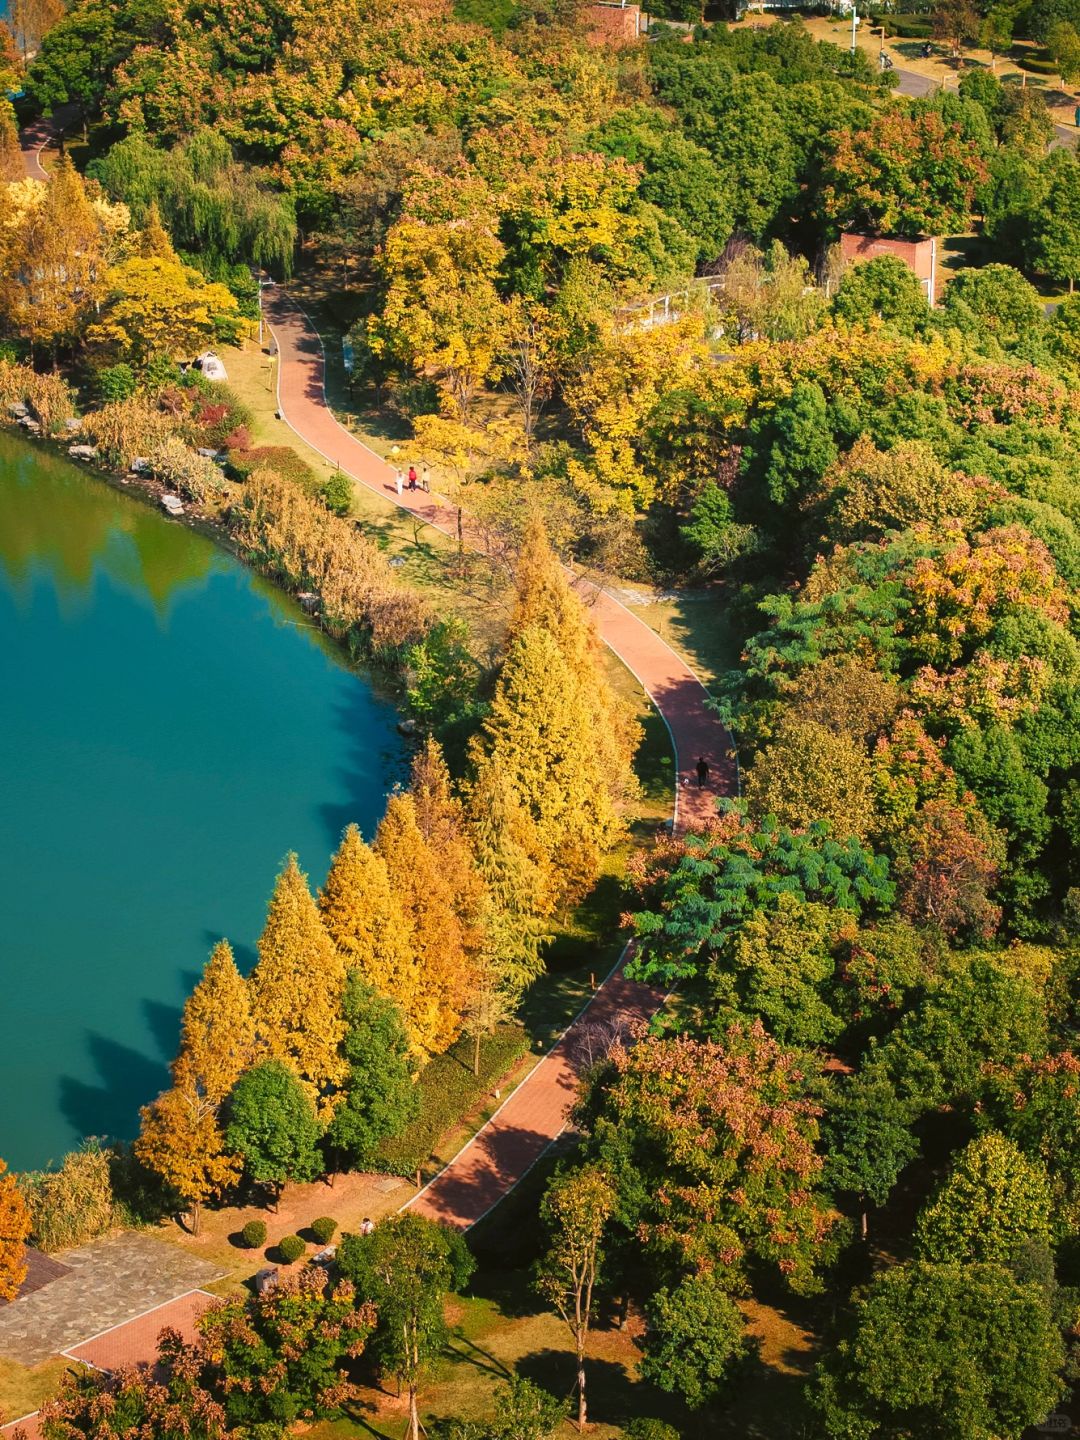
153, 241
380, 1094
296, 990
364, 919
440, 943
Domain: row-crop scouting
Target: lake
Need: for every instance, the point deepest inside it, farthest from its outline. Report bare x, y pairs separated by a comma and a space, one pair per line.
170, 726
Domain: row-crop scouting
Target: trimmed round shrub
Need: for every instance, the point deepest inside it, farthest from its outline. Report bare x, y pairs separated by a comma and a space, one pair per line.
324, 1229
117, 382
254, 1234
290, 1248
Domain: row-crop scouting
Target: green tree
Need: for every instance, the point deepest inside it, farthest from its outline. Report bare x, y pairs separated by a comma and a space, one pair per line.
994, 305
270, 1123
993, 1202
575, 1211
281, 1358
695, 1340
884, 289
705, 889
1057, 223
940, 1351
406, 1267
868, 1139
380, 1093
515, 893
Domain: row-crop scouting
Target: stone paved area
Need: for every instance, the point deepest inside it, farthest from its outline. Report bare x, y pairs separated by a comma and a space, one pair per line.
110, 1281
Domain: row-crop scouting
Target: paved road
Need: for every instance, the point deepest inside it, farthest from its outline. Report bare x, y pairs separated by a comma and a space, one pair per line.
912, 83
536, 1113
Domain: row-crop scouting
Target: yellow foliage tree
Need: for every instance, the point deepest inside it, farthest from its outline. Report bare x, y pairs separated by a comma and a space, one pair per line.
181, 1141
217, 1032
440, 942
296, 990
181, 1137
441, 818
516, 891
53, 259
154, 305
11, 160
14, 1232
364, 920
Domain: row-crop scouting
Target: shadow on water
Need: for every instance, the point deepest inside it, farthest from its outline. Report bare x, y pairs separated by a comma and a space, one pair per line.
110, 1108
164, 1023
360, 766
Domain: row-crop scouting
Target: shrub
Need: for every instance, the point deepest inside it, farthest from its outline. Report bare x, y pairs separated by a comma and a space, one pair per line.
324, 1229
290, 1248
46, 395
124, 429
337, 494
71, 1205
116, 382
194, 475
254, 1234
643, 1428
283, 461
448, 1092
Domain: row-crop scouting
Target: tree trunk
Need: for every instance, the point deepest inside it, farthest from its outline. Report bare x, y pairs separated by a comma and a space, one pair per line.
414, 1415
581, 1393
196, 1216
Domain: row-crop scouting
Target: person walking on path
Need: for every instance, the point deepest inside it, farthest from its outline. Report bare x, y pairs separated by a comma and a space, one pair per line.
426, 480
399, 482
412, 477
702, 771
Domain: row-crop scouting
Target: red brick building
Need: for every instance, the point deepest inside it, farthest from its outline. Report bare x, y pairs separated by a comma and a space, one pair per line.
920, 256
614, 24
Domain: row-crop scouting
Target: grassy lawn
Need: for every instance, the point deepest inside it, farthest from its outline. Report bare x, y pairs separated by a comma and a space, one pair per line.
501, 1329
23, 1389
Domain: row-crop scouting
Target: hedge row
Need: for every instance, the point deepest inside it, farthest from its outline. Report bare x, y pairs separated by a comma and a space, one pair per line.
449, 1092
1038, 66
908, 27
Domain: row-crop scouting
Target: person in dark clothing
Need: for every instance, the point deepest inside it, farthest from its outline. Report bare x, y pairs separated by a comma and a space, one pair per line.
702, 771
412, 477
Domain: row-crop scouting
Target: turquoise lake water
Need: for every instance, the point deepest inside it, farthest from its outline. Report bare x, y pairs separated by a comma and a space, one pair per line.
170, 726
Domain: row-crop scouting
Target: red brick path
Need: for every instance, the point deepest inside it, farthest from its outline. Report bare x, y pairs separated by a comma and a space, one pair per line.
502, 1152
134, 1342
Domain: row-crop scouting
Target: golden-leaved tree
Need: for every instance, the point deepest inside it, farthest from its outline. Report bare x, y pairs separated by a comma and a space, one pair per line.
181, 1137
515, 883
14, 1232
364, 919
442, 945
556, 730
53, 259
296, 990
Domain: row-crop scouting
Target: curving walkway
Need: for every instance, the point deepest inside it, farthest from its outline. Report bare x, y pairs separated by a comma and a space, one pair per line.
536, 1113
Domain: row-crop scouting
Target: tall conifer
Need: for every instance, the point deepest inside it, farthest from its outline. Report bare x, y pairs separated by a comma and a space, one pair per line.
441, 818
363, 918
517, 892
217, 1033
440, 942
296, 990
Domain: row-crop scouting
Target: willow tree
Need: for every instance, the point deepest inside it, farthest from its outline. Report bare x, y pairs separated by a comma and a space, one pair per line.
296, 990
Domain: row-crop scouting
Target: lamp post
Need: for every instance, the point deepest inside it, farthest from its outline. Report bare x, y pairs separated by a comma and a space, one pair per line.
854, 24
